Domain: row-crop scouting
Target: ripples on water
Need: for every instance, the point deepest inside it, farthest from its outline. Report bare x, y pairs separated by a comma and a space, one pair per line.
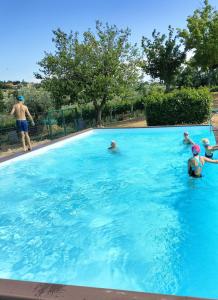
134, 220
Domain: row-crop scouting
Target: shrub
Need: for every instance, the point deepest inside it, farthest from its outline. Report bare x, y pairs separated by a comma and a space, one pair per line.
214, 89
185, 106
6, 121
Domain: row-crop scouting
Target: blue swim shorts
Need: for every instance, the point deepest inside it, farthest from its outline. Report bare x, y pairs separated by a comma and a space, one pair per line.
22, 125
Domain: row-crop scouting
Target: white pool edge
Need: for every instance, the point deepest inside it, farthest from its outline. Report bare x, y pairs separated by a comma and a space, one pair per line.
44, 149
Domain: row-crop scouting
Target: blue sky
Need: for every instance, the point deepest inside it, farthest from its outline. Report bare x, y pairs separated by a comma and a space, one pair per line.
26, 25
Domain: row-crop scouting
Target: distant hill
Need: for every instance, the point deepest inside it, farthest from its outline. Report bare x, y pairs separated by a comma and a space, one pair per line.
12, 85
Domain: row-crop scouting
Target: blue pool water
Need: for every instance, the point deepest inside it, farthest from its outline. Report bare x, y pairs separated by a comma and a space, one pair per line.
78, 214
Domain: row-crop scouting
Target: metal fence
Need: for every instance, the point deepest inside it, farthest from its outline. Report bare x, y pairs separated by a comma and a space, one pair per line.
58, 123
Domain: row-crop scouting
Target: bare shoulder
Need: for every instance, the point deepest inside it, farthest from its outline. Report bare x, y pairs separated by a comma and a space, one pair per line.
16, 107
203, 159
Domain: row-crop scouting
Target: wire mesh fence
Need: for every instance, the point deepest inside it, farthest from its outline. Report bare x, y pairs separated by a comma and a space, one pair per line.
58, 123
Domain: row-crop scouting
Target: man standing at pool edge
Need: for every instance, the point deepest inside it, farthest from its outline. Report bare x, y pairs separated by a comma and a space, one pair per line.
20, 111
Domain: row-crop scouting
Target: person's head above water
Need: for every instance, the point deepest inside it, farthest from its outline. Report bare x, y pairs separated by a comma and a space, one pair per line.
20, 98
113, 144
205, 142
196, 149
186, 134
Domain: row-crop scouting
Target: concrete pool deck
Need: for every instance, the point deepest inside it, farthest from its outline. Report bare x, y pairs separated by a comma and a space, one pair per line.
17, 290
40, 146
14, 290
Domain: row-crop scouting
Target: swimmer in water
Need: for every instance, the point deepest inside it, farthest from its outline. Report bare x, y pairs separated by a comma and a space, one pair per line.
187, 139
195, 163
209, 149
113, 146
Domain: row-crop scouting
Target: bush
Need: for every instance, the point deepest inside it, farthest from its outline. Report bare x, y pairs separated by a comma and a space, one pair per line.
185, 106
214, 89
6, 121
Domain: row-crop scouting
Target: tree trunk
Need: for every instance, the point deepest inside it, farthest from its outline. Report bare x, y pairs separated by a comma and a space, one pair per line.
99, 108
167, 86
99, 113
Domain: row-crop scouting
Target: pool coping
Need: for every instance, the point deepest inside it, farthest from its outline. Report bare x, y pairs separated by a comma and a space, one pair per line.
15, 289
50, 142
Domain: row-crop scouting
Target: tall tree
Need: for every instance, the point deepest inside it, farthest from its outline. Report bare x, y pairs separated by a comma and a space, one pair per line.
94, 69
163, 56
201, 36
60, 71
110, 65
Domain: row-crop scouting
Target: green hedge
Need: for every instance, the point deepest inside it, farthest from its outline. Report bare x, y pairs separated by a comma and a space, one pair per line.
185, 106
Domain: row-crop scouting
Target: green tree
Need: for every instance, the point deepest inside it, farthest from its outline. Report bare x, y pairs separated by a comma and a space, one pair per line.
193, 76
110, 66
95, 69
201, 36
60, 72
163, 57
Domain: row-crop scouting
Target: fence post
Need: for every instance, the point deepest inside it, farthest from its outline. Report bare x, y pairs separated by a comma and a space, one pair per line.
49, 125
63, 120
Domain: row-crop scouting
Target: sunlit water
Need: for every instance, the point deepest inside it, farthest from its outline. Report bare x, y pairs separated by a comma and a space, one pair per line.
132, 220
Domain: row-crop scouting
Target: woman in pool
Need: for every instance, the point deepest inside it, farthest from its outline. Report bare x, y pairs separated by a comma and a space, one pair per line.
209, 149
195, 164
187, 139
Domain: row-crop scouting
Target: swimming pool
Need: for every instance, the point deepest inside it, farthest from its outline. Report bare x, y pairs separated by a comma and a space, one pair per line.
77, 214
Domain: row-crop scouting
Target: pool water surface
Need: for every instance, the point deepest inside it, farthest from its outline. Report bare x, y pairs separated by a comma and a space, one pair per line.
134, 220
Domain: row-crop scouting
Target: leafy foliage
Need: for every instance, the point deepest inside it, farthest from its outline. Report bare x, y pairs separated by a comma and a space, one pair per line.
38, 100
192, 76
202, 36
163, 56
185, 106
97, 68
60, 71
